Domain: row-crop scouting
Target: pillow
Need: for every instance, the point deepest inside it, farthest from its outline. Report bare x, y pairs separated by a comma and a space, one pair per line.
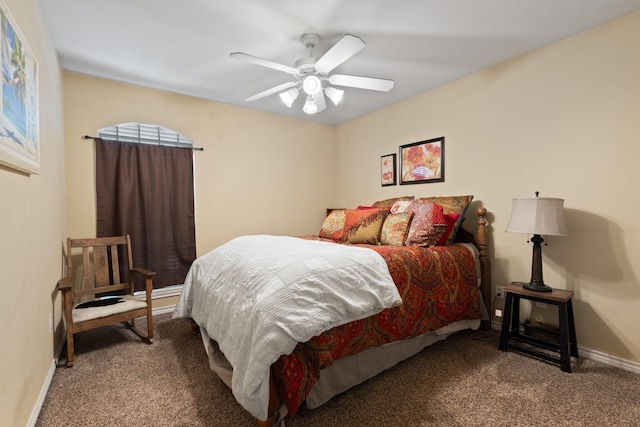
395, 228
452, 204
428, 224
400, 206
451, 219
363, 225
333, 225
389, 202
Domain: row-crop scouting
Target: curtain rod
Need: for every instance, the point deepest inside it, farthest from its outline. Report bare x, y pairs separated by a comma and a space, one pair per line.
175, 146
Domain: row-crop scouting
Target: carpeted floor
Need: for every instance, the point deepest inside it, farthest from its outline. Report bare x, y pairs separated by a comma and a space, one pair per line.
463, 381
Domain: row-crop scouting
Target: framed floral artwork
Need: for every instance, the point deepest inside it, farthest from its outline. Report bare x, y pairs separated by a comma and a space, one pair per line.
422, 162
388, 170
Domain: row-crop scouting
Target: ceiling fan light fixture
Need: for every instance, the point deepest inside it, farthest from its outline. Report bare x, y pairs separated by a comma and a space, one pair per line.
312, 85
335, 95
310, 73
289, 96
310, 106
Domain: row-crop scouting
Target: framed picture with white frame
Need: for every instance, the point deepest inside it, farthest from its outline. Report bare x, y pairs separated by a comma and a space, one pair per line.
19, 97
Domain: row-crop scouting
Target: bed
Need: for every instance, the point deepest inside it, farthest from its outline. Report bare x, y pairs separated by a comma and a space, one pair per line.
292, 321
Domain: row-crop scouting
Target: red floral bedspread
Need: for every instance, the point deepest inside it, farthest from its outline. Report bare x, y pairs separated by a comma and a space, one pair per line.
438, 286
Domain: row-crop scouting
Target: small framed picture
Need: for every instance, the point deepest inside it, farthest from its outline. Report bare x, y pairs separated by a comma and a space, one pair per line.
388, 170
422, 162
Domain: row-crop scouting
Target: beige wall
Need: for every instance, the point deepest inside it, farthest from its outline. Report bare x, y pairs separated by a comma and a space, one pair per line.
32, 229
258, 173
563, 120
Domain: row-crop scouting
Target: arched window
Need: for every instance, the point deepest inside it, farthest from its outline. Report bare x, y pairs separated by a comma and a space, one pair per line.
144, 187
146, 134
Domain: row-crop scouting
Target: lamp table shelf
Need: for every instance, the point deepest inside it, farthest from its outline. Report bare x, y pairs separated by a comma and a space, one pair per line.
512, 338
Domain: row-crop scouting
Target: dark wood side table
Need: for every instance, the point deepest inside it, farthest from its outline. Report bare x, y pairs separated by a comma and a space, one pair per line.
512, 338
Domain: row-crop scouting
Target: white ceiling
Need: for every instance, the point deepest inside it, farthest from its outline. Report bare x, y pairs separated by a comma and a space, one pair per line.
183, 46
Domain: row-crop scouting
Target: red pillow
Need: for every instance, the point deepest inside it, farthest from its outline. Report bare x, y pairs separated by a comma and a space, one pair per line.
451, 219
428, 224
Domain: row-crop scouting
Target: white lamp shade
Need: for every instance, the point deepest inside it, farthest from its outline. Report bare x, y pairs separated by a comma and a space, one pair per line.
310, 106
289, 96
335, 95
538, 215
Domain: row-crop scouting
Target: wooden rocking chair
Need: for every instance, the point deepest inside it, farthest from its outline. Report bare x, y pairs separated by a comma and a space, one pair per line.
100, 297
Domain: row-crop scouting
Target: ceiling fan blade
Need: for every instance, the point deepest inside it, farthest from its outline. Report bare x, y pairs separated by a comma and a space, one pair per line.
344, 49
265, 63
321, 103
271, 91
371, 83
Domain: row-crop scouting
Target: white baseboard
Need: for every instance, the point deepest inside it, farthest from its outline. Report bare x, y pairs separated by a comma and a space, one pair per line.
609, 359
598, 356
43, 394
167, 291
163, 310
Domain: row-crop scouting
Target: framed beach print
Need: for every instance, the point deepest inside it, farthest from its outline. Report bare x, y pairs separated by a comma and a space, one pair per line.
388, 169
422, 162
19, 122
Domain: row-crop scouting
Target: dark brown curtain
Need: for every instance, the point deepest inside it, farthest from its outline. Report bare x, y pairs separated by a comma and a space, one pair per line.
147, 191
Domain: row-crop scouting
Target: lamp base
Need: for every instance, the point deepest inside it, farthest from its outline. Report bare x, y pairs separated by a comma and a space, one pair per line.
537, 287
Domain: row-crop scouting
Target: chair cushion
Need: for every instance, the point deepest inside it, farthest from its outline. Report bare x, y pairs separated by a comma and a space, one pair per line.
129, 303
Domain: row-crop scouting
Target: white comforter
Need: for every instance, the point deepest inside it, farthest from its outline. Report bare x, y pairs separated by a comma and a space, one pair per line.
258, 296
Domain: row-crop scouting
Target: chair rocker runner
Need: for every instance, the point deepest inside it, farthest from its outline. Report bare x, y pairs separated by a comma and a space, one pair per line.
101, 296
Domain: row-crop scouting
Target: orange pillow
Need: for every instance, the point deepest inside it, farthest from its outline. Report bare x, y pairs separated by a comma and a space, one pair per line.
363, 225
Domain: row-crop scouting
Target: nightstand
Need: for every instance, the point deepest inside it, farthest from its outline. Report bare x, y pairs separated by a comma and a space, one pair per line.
511, 337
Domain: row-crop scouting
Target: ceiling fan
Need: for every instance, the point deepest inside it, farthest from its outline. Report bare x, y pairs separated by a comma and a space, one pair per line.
313, 74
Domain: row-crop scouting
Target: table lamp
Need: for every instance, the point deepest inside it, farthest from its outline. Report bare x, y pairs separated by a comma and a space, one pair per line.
538, 216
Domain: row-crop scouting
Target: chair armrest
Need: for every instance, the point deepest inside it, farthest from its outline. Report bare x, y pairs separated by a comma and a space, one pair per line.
148, 280
64, 284
144, 272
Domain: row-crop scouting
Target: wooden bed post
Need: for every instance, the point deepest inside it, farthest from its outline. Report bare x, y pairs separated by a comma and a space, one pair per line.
485, 272
274, 404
